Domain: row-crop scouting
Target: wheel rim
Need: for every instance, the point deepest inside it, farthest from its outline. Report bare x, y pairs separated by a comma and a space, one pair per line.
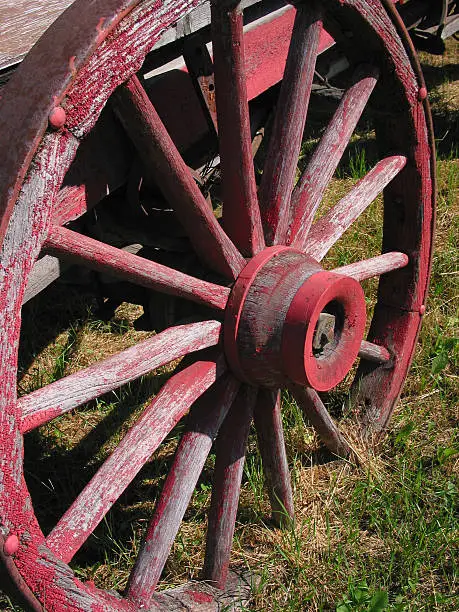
31, 180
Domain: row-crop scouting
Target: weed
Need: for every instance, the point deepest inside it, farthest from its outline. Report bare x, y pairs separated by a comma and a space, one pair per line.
359, 597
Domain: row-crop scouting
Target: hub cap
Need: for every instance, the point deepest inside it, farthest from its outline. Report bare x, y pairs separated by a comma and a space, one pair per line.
288, 320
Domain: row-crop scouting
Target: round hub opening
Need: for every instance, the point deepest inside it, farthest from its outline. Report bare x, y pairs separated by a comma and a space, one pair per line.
328, 330
323, 330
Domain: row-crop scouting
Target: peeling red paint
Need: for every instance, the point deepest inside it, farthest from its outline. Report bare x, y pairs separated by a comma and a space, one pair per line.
76, 86
199, 597
11, 545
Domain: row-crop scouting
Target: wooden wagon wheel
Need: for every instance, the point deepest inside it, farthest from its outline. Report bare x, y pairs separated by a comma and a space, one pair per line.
273, 301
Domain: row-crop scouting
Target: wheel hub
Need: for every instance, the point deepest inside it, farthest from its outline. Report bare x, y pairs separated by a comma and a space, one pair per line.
289, 320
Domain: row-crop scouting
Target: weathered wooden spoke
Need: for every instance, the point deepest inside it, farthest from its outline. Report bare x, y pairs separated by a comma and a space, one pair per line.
102, 257
159, 418
53, 400
374, 352
160, 154
229, 465
325, 232
284, 147
375, 266
241, 213
314, 410
270, 433
309, 191
204, 422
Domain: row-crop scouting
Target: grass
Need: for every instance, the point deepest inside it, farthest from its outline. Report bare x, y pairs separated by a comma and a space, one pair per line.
379, 532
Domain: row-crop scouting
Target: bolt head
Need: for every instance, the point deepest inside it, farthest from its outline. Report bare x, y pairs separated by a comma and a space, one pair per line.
57, 118
11, 545
422, 93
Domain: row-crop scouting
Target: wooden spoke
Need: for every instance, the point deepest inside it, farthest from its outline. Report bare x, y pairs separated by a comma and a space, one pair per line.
375, 266
205, 420
374, 352
316, 413
105, 258
241, 213
230, 451
177, 184
268, 422
309, 191
284, 147
59, 397
325, 232
164, 412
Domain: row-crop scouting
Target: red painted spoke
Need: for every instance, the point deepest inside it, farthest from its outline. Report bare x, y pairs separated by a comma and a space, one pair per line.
205, 420
268, 422
316, 413
325, 232
164, 412
176, 182
374, 352
45, 404
311, 187
105, 258
231, 447
284, 147
375, 266
241, 213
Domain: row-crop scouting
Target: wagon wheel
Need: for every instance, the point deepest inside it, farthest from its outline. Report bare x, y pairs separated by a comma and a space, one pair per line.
280, 319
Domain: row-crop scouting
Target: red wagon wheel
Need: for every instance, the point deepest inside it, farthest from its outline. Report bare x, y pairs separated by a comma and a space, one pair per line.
273, 301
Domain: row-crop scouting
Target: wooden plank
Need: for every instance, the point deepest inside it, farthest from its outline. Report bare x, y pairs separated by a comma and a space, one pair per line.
118, 471
284, 146
22, 22
327, 230
270, 433
311, 187
204, 422
375, 266
173, 176
101, 166
315, 412
241, 213
116, 262
63, 395
266, 42
198, 19
229, 465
